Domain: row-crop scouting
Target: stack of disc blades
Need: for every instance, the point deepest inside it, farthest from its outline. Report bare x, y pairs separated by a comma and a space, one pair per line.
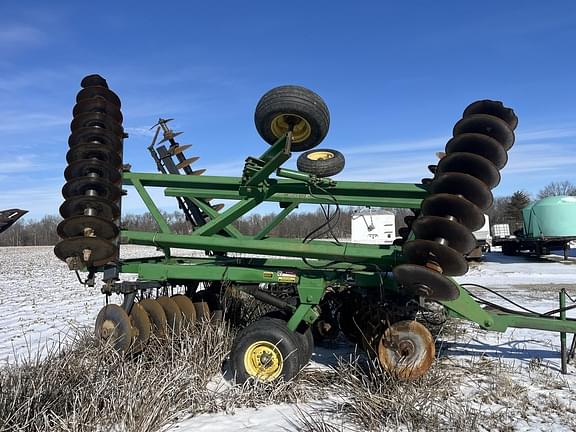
91, 209
460, 193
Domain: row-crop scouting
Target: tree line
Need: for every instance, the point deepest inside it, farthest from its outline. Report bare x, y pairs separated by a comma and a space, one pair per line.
506, 209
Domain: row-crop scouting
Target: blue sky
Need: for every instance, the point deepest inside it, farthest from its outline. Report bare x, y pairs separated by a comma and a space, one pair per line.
396, 77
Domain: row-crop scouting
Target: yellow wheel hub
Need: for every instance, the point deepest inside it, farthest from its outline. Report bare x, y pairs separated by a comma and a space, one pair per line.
320, 155
284, 122
263, 360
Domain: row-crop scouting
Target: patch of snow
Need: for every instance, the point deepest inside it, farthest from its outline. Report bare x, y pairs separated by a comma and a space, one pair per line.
41, 300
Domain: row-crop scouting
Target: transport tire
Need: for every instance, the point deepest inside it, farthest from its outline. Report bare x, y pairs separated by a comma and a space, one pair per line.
322, 163
266, 350
292, 108
303, 335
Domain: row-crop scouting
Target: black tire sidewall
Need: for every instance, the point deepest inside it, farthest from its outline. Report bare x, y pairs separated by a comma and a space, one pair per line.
298, 101
321, 167
270, 330
303, 335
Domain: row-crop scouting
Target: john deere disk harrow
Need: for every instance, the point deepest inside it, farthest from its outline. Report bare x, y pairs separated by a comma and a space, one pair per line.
372, 293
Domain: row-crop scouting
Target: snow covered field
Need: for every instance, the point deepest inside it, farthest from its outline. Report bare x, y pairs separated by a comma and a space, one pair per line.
514, 375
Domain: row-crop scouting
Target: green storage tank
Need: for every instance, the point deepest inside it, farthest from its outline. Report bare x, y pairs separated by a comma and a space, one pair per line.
553, 216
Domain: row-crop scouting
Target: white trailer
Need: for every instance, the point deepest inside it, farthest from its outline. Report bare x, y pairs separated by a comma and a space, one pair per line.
483, 240
373, 226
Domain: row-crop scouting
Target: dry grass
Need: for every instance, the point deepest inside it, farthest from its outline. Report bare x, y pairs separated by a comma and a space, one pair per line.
374, 400
90, 388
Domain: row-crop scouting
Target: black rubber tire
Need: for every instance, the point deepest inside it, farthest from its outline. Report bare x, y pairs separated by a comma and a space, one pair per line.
296, 101
303, 335
332, 165
269, 330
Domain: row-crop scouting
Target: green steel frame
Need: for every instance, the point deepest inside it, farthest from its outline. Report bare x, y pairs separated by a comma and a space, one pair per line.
335, 263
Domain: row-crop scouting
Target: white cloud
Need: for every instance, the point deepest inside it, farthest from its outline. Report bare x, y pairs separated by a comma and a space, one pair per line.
17, 164
19, 34
400, 146
565, 131
139, 131
16, 121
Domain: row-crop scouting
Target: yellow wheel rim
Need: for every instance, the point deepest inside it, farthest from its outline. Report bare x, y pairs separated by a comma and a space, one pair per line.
300, 127
263, 360
320, 155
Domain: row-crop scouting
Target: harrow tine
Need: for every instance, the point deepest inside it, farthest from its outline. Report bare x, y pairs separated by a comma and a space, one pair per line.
197, 172
174, 150
187, 162
160, 122
169, 135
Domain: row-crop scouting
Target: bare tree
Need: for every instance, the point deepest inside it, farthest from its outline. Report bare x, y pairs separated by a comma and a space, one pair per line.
557, 188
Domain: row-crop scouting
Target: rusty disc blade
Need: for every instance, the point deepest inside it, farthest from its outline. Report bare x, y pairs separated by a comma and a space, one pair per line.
186, 307
173, 313
197, 172
98, 187
113, 327
101, 251
406, 350
84, 205
76, 226
141, 327
98, 105
187, 162
157, 316
424, 282
493, 108
456, 206
202, 311
218, 207
422, 252
92, 168
487, 125
94, 152
93, 91
434, 227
